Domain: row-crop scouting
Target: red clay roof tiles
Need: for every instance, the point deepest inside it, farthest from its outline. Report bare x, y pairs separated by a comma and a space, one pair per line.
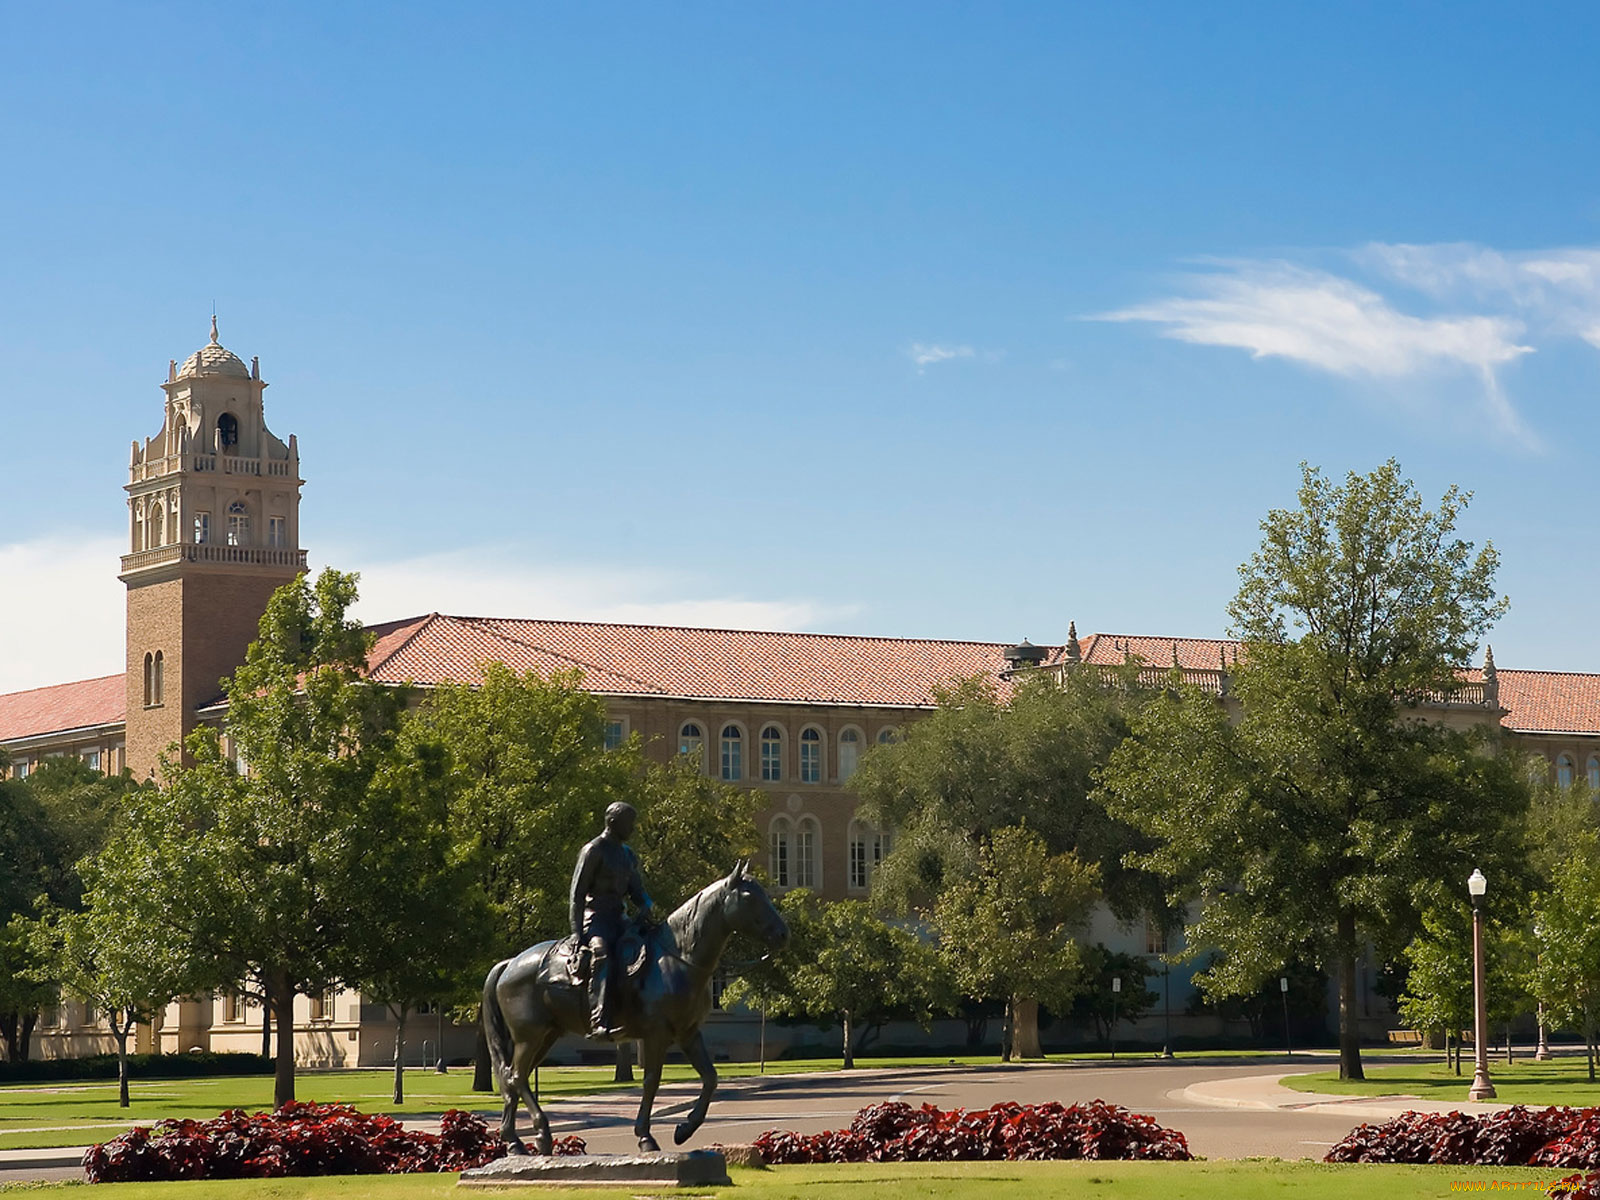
62, 707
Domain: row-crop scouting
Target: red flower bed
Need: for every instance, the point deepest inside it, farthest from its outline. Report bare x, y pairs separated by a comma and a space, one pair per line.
1517, 1136
298, 1139
896, 1132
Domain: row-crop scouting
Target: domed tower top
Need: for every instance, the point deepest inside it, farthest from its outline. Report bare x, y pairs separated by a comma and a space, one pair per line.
213, 359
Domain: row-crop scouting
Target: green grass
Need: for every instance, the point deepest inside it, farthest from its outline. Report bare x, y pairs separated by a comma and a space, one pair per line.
66, 1113
1558, 1081
1253, 1180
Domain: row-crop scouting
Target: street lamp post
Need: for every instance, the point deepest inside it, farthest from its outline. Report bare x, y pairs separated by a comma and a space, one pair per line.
1166, 1010
1283, 990
1481, 1088
1116, 990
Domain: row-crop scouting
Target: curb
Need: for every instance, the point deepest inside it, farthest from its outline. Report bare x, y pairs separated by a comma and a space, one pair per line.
43, 1156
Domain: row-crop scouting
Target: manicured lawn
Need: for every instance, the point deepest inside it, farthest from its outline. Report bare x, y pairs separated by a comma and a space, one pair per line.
64, 1113
1558, 1081
1254, 1180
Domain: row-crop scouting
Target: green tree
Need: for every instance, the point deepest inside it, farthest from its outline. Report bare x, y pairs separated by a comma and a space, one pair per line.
1566, 974
1008, 931
845, 963
692, 828
422, 933
1333, 812
1098, 1004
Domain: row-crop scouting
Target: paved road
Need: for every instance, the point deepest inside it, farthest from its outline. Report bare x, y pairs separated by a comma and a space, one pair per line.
808, 1103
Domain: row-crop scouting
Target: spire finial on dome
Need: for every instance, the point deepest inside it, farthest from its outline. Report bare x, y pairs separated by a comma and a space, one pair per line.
214, 341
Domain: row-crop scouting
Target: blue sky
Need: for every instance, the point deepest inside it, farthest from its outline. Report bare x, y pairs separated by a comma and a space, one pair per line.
914, 319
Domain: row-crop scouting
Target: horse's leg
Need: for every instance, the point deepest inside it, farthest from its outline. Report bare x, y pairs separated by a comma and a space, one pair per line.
694, 1048
528, 1056
655, 1054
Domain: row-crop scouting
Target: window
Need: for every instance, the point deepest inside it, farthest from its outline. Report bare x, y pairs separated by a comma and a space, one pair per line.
202, 528
157, 682
239, 763
158, 524
849, 753
888, 736
614, 734
810, 756
277, 532
238, 524
139, 542
1155, 937
19, 768
771, 754
690, 740
322, 1006
91, 759
806, 873
732, 753
867, 850
233, 1008
779, 848
227, 431
1594, 774
1564, 772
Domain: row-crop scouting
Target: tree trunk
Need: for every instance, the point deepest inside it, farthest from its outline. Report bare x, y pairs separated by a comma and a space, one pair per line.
8, 1033
266, 1024
849, 1043
482, 1074
400, 1052
624, 1071
120, 1030
438, 1060
1008, 1031
1026, 1034
1349, 1002
283, 1068
25, 1036
1508, 1043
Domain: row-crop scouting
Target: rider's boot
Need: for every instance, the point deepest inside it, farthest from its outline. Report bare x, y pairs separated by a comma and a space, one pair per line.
599, 996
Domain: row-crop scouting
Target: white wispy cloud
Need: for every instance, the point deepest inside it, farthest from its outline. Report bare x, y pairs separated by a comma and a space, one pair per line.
925, 354
62, 616
1393, 312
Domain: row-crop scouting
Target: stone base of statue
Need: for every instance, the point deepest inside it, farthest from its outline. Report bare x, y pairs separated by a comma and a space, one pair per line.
698, 1168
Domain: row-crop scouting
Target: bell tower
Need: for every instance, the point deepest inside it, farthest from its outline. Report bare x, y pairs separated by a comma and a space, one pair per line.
213, 531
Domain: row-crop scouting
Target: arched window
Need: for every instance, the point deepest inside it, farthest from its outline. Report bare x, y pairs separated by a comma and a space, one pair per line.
157, 684
732, 753
158, 523
867, 849
780, 852
888, 735
690, 740
139, 531
807, 870
238, 524
1564, 772
227, 431
849, 753
810, 756
149, 679
771, 754
1594, 774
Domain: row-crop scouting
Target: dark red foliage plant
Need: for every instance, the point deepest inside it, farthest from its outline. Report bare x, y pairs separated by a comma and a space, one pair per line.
1516, 1136
896, 1132
298, 1139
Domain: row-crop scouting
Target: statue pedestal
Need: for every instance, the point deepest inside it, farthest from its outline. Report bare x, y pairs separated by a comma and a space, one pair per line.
698, 1168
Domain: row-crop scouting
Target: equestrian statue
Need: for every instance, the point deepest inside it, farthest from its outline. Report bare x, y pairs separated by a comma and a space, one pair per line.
619, 979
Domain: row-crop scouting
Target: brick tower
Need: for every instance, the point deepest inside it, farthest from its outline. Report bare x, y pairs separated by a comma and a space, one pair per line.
214, 529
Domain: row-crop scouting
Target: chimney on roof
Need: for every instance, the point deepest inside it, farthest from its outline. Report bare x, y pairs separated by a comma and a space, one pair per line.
1074, 651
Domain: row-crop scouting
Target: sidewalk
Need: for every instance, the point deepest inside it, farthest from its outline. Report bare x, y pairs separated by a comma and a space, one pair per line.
1265, 1093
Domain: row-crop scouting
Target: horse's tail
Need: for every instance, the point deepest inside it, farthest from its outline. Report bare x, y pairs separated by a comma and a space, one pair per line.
495, 1030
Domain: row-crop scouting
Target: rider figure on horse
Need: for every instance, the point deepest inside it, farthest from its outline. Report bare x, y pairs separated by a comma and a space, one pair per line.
606, 877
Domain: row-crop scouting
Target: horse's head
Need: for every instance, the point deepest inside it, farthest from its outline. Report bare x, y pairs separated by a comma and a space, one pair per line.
750, 910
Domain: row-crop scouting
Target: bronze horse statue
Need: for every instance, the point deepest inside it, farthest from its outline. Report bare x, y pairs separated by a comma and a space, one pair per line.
531, 1000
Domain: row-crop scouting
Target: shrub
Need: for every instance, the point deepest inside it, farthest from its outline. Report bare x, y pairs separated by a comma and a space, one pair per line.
1517, 1136
298, 1139
140, 1066
896, 1132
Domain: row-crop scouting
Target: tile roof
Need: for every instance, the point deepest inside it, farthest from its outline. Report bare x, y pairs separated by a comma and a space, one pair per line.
62, 707
660, 660
1549, 701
